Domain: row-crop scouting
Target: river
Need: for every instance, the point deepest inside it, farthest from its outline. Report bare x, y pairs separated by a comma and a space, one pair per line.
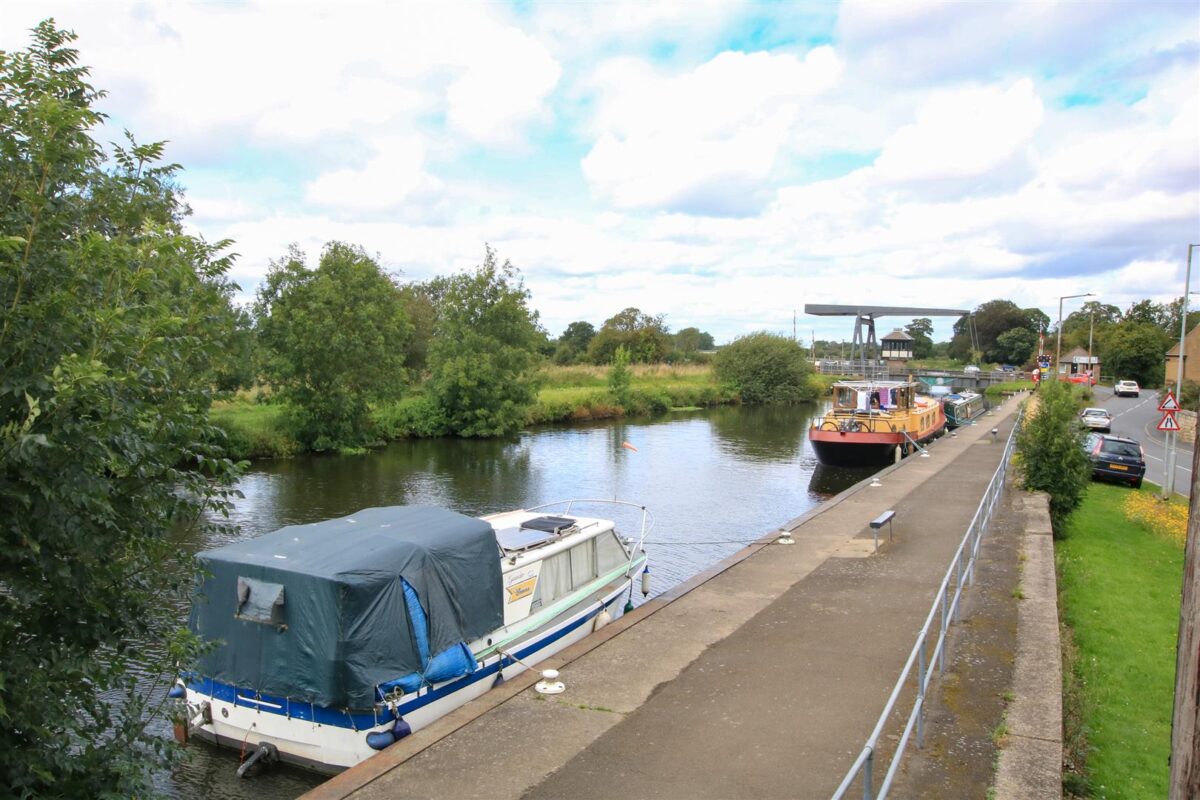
714, 480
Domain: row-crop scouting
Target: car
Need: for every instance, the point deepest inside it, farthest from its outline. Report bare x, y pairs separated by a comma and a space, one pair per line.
1116, 458
970, 368
1081, 377
1098, 419
1123, 388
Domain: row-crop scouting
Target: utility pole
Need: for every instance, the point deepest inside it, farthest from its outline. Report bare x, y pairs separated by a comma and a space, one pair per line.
1185, 723
1173, 437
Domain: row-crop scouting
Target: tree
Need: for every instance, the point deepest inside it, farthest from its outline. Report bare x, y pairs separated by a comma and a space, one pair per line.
336, 341
1173, 311
573, 343
1135, 351
1148, 312
921, 330
113, 324
644, 336
484, 353
619, 379
691, 340
1037, 320
1051, 449
765, 368
1092, 320
1014, 347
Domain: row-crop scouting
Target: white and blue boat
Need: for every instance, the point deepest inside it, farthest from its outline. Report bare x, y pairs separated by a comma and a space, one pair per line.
336, 639
962, 407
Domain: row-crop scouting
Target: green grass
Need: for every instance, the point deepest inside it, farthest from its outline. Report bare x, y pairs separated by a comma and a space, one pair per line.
254, 429
1119, 586
996, 390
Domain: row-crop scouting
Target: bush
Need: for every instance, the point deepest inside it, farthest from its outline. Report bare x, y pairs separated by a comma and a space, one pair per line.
416, 417
1051, 451
766, 368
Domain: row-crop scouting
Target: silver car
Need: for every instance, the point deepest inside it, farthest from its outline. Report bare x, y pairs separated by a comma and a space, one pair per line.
1097, 419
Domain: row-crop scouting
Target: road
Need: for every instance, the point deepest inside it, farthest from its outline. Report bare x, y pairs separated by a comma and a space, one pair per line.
1137, 418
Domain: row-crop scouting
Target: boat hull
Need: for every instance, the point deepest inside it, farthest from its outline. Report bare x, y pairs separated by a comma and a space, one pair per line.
329, 740
862, 448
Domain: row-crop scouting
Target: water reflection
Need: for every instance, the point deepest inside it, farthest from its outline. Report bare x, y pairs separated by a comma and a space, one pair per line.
827, 481
714, 479
773, 433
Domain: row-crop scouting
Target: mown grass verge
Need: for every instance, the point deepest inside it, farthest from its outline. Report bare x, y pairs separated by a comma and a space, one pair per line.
1119, 572
997, 390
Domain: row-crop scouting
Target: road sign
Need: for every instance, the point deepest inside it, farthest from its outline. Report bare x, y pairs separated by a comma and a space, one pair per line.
1168, 422
1168, 404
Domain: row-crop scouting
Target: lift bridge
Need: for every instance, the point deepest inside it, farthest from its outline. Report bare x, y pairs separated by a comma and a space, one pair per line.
864, 349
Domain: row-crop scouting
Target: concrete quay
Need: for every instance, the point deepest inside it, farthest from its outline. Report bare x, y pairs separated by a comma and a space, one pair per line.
761, 677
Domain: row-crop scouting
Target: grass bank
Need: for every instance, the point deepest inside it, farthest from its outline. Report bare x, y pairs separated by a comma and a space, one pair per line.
567, 394
1119, 570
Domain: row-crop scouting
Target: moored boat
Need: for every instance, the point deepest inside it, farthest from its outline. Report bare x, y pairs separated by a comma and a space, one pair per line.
875, 422
338, 638
962, 407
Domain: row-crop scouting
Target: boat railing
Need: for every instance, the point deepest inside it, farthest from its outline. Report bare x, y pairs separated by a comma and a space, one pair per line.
647, 523
944, 611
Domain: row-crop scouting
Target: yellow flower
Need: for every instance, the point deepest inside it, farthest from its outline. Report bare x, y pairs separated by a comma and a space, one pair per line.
1164, 518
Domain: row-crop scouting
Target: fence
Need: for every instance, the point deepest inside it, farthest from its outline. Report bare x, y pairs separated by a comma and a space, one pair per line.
945, 610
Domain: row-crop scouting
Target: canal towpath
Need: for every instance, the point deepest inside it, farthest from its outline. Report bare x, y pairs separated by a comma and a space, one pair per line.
761, 677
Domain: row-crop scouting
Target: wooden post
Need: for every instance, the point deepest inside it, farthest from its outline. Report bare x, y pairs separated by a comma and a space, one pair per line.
1185, 724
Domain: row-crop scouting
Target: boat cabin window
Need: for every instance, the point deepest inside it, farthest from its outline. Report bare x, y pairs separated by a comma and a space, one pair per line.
259, 601
572, 569
872, 398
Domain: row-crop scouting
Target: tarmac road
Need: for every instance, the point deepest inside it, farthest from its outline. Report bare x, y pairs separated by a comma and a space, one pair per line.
1138, 418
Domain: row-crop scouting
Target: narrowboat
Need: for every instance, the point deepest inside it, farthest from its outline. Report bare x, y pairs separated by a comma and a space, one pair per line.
962, 407
875, 422
334, 640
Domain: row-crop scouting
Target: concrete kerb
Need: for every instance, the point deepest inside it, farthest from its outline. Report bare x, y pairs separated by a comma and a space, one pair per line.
1030, 764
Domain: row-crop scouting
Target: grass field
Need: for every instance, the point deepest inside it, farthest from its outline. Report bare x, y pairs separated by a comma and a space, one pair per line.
1120, 571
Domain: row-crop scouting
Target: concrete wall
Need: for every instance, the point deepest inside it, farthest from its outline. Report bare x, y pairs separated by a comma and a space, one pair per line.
1030, 765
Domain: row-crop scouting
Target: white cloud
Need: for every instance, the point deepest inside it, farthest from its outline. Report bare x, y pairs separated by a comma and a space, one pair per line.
393, 175
701, 138
963, 133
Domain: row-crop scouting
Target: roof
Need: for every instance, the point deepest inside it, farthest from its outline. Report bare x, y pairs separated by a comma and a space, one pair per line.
897, 336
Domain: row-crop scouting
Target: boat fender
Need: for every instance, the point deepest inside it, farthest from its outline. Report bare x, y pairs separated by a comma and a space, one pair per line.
177, 691
602, 619
645, 581
264, 754
378, 740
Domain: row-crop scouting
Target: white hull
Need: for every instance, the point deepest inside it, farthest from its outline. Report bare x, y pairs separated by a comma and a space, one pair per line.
248, 722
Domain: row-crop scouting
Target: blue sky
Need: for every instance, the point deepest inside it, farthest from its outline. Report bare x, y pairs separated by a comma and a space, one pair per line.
722, 163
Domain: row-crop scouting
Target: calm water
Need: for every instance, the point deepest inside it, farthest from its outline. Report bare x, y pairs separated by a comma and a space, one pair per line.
714, 480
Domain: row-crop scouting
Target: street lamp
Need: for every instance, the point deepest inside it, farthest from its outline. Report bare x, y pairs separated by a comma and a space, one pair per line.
1058, 343
1169, 477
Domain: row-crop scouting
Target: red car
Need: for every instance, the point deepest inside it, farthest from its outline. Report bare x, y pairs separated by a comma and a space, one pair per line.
1081, 377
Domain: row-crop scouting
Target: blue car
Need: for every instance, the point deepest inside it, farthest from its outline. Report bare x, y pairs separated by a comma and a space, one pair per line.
1116, 458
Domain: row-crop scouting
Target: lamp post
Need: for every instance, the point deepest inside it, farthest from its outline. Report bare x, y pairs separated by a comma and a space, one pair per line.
1172, 437
1058, 342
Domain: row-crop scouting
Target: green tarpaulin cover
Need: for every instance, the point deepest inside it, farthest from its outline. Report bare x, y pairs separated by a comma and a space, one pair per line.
316, 612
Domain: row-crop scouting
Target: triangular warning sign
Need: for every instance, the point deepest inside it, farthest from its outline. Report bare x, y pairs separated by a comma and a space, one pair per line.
1168, 403
1169, 423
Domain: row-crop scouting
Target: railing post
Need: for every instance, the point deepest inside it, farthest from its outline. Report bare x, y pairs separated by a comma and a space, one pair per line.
921, 692
944, 637
867, 777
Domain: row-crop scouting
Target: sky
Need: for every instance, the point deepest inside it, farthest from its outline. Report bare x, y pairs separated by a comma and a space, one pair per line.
721, 163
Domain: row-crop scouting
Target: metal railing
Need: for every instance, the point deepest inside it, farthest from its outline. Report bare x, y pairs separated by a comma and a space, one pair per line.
945, 610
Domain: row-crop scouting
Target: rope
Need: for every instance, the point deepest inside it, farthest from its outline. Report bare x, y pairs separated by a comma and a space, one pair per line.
725, 541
